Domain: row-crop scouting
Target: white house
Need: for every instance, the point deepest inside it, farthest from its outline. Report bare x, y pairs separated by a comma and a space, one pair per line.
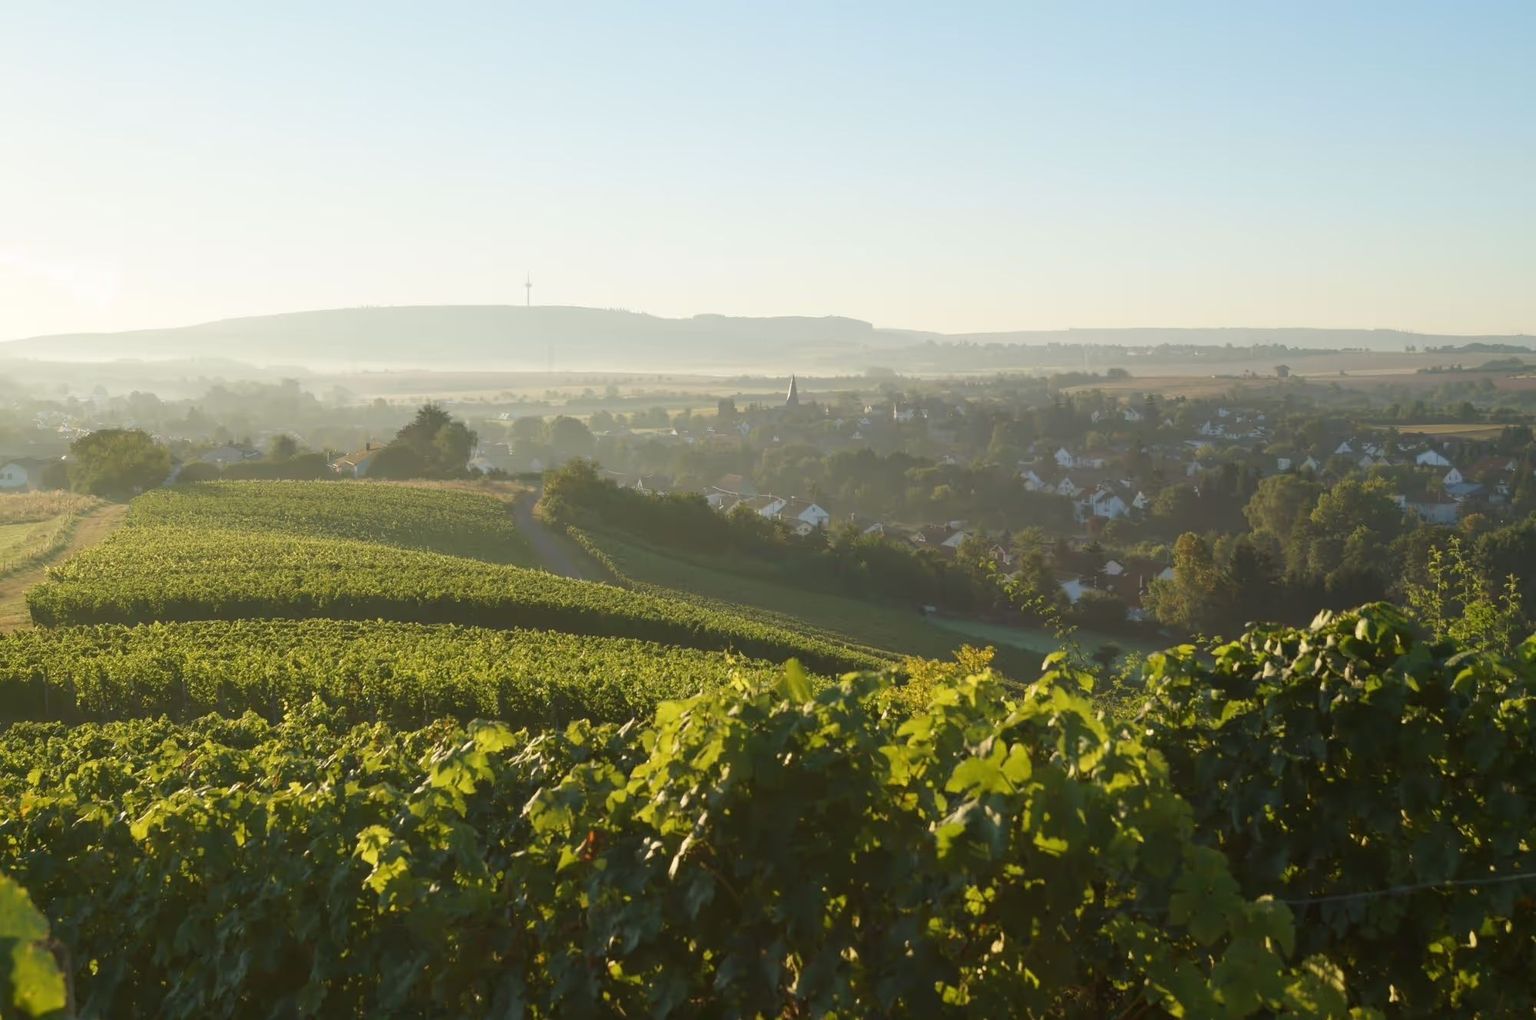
1452, 477
1074, 589
1141, 502
1282, 464
356, 464
1107, 504
1343, 449
1066, 488
1032, 481
1065, 459
954, 541
765, 506
1310, 464
16, 475
803, 511
1131, 414
1113, 568
1166, 574
722, 500
1431, 458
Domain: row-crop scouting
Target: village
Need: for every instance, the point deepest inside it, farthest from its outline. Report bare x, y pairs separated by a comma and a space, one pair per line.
1132, 476
962, 469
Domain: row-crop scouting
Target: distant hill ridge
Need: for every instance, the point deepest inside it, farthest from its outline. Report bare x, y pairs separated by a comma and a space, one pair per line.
510, 336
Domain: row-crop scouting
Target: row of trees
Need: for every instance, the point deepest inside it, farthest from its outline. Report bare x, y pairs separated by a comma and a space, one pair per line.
1310, 546
120, 463
840, 559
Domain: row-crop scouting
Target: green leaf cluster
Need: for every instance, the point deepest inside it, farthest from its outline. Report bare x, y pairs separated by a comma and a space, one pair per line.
772, 848
1379, 779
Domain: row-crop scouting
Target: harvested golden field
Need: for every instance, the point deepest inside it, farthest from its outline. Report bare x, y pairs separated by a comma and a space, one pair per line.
1476, 431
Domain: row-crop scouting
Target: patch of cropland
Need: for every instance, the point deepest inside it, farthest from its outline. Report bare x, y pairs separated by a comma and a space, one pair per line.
36, 525
401, 673
441, 520
192, 556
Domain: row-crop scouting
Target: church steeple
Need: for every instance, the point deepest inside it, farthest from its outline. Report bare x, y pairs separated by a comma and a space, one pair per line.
793, 399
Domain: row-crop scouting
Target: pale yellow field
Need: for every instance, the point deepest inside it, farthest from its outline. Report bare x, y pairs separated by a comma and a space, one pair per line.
1482, 433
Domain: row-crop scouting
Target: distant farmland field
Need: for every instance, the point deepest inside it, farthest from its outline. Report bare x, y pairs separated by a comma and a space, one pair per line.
1477, 431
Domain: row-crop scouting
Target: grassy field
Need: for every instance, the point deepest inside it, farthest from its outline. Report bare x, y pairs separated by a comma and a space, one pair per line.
839, 617
35, 526
13, 537
1037, 640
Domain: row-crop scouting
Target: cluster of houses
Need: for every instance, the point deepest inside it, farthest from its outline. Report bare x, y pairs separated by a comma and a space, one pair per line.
1126, 581
1098, 490
1095, 492
1485, 481
734, 492
1101, 487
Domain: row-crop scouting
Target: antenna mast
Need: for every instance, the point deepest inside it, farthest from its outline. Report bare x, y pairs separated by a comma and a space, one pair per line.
528, 291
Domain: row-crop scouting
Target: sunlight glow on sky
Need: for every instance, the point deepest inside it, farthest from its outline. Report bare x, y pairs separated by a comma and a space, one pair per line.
931, 166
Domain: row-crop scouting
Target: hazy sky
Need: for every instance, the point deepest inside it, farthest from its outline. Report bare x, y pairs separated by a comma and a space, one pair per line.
940, 166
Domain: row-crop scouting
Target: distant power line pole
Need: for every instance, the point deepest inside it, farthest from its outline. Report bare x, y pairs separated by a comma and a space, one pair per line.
528, 291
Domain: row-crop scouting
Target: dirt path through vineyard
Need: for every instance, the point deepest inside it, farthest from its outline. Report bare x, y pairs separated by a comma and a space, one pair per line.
93, 527
555, 553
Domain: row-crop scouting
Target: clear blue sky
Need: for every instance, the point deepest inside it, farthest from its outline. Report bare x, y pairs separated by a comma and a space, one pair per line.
952, 167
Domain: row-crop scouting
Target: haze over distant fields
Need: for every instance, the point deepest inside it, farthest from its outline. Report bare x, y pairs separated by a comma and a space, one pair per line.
511, 337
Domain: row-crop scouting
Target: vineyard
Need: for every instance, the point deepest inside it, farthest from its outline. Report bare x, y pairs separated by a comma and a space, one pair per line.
449, 521
477, 871
198, 556
403, 674
257, 765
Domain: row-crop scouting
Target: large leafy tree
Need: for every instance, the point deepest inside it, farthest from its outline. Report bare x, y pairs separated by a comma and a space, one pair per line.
1199, 593
1279, 503
117, 463
432, 445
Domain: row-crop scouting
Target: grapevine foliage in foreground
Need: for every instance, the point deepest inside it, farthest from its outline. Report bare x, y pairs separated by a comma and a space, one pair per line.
30, 982
401, 673
1358, 755
766, 850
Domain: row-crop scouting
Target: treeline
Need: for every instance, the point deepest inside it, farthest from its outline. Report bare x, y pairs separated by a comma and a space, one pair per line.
1311, 546
843, 559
